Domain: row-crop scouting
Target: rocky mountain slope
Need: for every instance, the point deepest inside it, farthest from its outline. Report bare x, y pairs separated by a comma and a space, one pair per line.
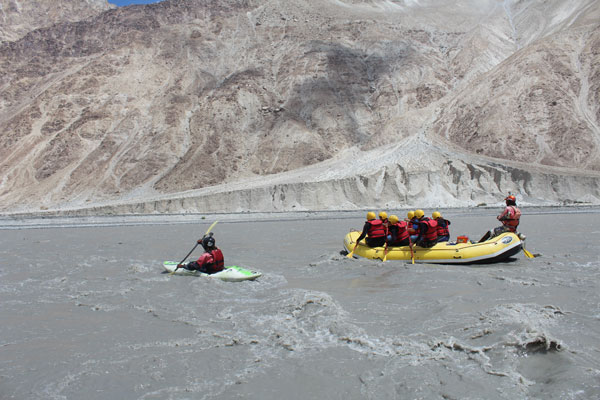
258, 105
19, 17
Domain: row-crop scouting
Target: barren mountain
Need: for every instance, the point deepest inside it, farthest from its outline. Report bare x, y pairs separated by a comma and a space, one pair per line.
314, 104
19, 17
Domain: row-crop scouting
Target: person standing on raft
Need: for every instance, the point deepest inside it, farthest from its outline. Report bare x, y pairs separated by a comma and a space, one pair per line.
373, 231
211, 260
510, 219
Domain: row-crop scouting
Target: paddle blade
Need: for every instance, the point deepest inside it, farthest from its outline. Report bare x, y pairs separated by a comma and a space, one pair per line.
210, 228
351, 254
528, 254
385, 251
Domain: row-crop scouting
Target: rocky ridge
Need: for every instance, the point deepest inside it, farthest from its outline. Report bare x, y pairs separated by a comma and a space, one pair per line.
263, 106
19, 17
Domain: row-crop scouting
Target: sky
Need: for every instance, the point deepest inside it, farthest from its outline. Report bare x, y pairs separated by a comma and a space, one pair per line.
121, 3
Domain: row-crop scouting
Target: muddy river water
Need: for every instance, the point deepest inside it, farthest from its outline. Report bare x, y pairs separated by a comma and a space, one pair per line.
86, 313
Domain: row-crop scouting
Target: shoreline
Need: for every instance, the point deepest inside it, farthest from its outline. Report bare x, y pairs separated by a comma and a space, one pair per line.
56, 220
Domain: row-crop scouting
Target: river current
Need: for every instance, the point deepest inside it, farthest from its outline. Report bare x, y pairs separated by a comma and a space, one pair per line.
87, 312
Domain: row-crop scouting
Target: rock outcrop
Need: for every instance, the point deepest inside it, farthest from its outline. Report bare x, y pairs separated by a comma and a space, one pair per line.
257, 105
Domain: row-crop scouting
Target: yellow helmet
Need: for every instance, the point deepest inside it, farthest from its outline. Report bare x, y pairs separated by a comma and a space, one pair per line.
410, 215
382, 215
419, 214
393, 219
436, 215
370, 216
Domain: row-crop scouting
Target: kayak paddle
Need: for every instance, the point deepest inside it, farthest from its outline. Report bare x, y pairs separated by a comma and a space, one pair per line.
210, 228
193, 248
182, 261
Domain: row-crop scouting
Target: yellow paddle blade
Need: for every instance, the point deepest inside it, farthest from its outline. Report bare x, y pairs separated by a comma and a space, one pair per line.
349, 255
385, 251
528, 254
210, 227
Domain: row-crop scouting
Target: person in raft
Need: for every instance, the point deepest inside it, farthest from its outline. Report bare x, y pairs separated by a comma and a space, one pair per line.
384, 218
211, 260
510, 219
443, 232
373, 231
413, 226
397, 232
427, 230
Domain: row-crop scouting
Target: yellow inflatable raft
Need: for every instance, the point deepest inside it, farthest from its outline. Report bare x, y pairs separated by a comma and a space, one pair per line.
493, 250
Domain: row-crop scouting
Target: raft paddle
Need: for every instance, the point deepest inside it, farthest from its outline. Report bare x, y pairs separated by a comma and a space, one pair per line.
527, 254
349, 255
385, 252
412, 254
193, 248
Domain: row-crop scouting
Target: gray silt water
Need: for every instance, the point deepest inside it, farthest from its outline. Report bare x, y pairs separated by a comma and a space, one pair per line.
87, 313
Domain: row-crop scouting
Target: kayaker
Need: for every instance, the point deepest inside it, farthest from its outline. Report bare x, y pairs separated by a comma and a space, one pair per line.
373, 231
510, 219
427, 230
443, 232
211, 260
398, 232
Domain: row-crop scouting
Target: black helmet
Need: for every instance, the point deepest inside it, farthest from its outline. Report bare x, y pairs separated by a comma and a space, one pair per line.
208, 241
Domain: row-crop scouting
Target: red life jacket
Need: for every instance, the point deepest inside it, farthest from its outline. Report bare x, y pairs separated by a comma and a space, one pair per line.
431, 233
402, 231
212, 261
512, 218
376, 228
442, 227
386, 225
